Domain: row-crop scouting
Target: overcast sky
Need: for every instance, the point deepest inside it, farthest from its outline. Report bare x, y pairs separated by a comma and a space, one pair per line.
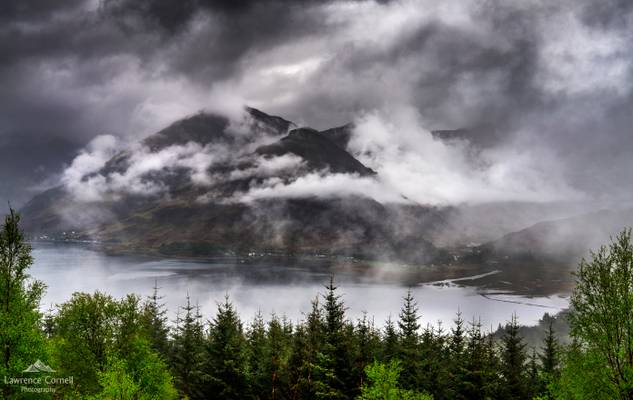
550, 80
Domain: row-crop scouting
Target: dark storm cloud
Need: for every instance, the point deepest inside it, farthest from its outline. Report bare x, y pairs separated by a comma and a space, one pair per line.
534, 75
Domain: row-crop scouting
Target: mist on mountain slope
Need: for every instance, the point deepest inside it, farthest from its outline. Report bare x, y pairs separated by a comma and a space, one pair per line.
411, 165
383, 182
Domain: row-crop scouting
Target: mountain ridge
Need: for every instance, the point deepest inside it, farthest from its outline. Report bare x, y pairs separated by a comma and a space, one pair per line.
189, 219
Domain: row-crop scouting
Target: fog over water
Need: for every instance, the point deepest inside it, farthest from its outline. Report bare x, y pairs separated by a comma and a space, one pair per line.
273, 287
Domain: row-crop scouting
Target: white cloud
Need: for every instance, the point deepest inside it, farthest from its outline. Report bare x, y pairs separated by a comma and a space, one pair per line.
412, 162
88, 183
322, 186
579, 59
269, 166
77, 177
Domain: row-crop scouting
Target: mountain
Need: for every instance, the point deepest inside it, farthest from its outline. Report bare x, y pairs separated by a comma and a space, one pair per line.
563, 240
154, 198
318, 150
340, 135
540, 259
207, 186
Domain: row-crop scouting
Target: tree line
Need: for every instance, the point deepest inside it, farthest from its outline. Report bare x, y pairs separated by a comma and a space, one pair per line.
127, 349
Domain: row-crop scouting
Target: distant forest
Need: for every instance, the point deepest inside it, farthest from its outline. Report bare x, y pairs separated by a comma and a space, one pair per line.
96, 347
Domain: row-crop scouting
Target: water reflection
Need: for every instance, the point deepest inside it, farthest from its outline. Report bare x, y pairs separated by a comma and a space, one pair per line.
284, 287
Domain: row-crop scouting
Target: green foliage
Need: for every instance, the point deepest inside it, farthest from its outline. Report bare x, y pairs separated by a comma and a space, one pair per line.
390, 346
125, 349
480, 380
154, 319
306, 347
102, 343
550, 353
226, 366
257, 357
188, 356
84, 333
601, 315
409, 350
457, 370
116, 382
334, 374
368, 346
584, 376
383, 384
513, 360
21, 340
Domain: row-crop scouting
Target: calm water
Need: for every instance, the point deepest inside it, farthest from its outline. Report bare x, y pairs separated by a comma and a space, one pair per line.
274, 287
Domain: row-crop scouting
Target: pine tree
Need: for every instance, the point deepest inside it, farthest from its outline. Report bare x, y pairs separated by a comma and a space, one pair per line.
534, 387
513, 360
456, 358
434, 375
549, 356
257, 357
409, 350
187, 360
390, 341
277, 357
300, 366
492, 367
368, 344
473, 383
333, 367
155, 322
226, 369
307, 343
21, 340
456, 342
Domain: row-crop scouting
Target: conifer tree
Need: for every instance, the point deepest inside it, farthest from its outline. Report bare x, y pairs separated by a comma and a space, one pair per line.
409, 351
276, 357
492, 367
513, 360
187, 358
390, 340
300, 366
306, 345
456, 358
473, 382
334, 368
534, 386
226, 367
368, 345
456, 342
434, 374
549, 356
155, 322
257, 357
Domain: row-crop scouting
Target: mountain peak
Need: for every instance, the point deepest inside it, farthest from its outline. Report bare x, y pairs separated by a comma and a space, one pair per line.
317, 150
205, 128
275, 122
